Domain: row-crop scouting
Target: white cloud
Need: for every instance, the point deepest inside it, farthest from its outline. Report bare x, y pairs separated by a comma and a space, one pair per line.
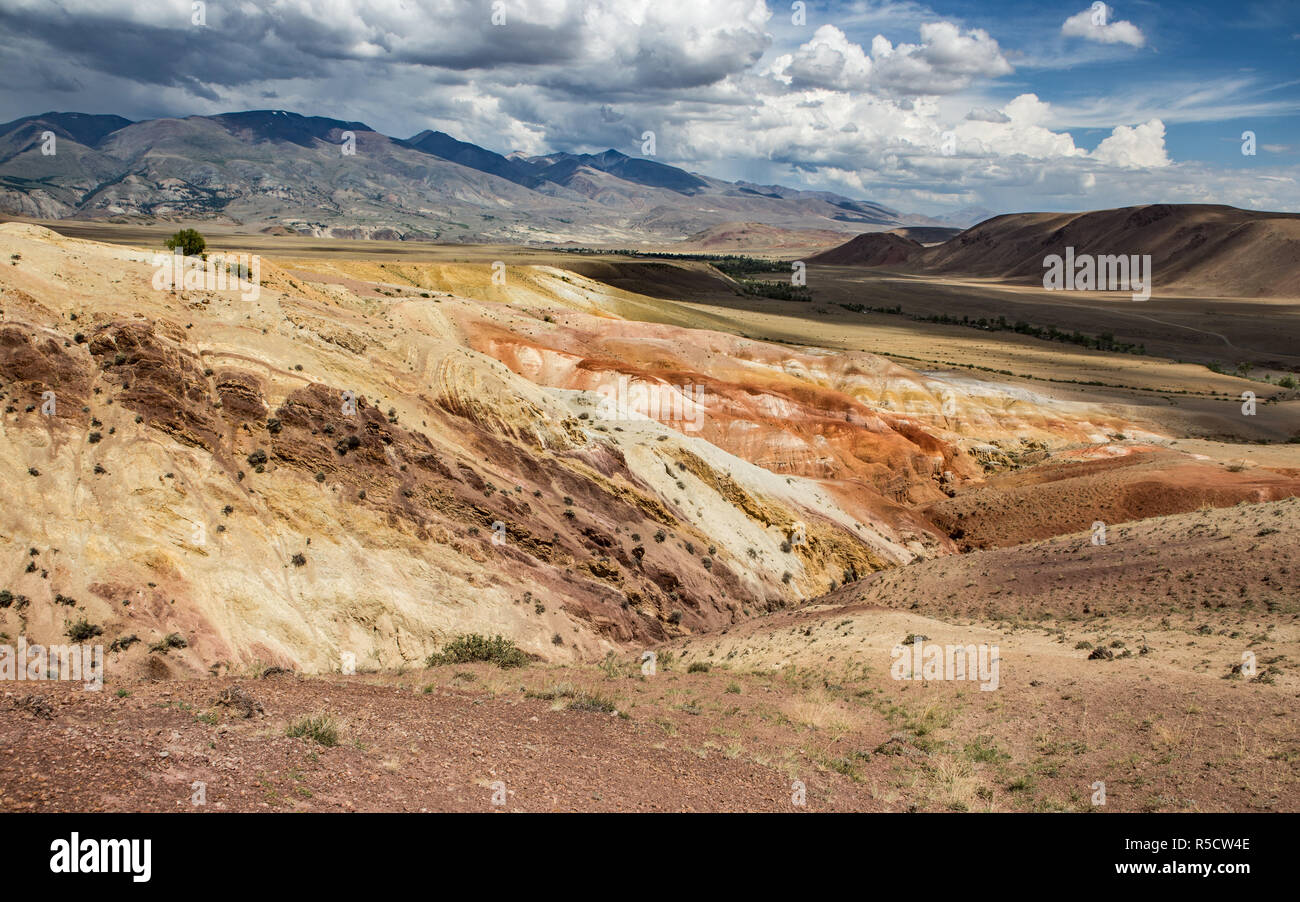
947, 60
1019, 132
828, 60
1095, 24
1139, 147
830, 111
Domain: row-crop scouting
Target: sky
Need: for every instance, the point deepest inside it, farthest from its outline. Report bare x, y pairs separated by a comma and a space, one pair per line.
935, 108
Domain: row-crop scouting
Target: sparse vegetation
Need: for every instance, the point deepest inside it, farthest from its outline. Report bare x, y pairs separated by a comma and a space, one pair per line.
82, 630
472, 647
168, 642
319, 728
122, 643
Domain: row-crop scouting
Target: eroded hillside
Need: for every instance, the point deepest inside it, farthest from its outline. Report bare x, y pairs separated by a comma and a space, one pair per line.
350, 462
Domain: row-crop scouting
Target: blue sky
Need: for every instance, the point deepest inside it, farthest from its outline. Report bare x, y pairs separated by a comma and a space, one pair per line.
938, 107
1208, 71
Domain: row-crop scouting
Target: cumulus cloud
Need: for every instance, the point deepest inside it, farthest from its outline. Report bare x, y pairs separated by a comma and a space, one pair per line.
1139, 147
1095, 24
828, 60
987, 115
1016, 130
945, 61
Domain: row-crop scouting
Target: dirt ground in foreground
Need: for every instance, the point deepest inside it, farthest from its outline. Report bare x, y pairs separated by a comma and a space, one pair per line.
728, 722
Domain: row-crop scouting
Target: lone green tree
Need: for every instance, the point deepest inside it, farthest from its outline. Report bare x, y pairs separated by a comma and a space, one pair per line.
189, 241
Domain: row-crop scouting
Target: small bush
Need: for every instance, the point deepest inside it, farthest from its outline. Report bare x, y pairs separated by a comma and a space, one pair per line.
170, 641
698, 667
82, 630
122, 643
593, 701
472, 647
985, 750
320, 728
189, 241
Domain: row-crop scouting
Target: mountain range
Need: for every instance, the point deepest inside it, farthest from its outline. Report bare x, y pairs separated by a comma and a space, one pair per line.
278, 170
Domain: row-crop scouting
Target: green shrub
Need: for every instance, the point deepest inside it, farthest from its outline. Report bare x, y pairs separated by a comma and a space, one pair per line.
698, 667
472, 647
984, 749
189, 241
780, 290
82, 630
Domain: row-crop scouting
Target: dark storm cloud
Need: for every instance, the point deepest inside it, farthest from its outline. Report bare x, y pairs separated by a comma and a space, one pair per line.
175, 54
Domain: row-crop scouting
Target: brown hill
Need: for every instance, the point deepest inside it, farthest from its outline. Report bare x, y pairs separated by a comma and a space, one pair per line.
757, 236
1228, 560
871, 249
927, 234
1075, 489
1199, 249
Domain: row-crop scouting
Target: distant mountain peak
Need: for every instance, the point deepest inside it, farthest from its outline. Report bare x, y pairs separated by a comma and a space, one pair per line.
84, 128
272, 125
